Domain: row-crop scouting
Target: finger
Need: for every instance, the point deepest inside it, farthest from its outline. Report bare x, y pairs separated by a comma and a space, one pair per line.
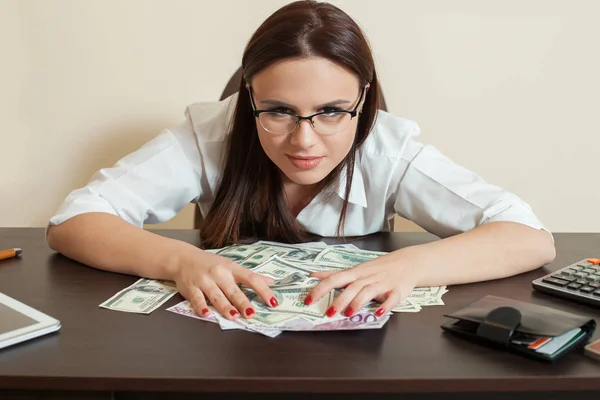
323, 274
393, 299
237, 298
333, 281
341, 302
368, 293
258, 284
219, 300
198, 301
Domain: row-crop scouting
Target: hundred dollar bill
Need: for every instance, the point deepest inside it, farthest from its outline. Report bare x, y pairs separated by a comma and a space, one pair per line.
428, 296
237, 253
257, 327
291, 301
301, 253
407, 306
345, 246
308, 283
281, 270
143, 297
240, 323
249, 256
316, 267
346, 257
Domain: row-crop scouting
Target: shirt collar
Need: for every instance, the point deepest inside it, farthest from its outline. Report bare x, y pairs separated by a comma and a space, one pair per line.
357, 191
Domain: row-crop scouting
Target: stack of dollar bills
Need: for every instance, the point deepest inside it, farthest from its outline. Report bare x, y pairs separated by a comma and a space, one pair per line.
290, 265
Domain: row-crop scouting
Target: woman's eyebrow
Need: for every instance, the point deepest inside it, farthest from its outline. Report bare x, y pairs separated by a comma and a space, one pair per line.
277, 103
333, 103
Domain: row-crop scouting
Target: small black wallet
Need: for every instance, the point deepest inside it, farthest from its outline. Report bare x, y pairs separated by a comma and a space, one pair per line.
513, 325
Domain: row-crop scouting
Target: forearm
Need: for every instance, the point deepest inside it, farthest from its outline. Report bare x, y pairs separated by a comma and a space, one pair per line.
106, 242
490, 251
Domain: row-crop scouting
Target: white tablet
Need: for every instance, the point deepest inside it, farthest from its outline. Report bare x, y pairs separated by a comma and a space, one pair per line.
19, 322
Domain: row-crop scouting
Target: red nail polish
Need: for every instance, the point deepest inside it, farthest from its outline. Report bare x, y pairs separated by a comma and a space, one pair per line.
330, 311
348, 312
379, 312
308, 300
249, 311
233, 313
205, 311
273, 302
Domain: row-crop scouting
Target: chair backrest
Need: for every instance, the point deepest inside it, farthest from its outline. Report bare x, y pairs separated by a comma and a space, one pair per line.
232, 87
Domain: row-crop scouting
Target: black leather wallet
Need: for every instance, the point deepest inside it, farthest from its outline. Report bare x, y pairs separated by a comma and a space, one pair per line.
516, 326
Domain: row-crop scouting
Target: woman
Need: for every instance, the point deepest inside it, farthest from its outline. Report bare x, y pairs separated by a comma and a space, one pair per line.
300, 148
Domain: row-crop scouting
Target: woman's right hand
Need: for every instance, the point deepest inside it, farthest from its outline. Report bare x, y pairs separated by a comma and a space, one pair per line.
201, 275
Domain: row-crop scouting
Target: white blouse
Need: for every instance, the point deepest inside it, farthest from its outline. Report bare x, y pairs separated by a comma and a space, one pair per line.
393, 173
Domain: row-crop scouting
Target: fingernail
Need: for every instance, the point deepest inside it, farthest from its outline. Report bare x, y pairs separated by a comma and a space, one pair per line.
348, 312
205, 311
233, 313
379, 312
273, 302
249, 311
308, 300
330, 311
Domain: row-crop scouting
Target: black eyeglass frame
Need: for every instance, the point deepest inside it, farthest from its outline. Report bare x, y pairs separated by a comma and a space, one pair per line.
299, 118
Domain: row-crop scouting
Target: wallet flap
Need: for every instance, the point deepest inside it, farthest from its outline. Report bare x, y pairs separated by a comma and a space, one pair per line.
535, 319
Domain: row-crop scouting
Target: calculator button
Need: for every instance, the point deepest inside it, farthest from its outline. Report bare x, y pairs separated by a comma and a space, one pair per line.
563, 277
589, 270
580, 274
586, 289
581, 281
573, 286
577, 268
597, 292
554, 281
595, 261
595, 285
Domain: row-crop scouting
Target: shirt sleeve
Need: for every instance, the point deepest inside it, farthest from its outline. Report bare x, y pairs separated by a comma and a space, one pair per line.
445, 198
150, 185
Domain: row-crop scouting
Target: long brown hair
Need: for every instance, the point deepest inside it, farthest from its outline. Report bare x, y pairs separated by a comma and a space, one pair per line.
250, 202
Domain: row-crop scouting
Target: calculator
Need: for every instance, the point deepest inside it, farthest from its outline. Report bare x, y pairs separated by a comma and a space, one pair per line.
579, 281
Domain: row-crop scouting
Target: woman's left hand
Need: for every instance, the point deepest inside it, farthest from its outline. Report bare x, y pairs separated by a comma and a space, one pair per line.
383, 279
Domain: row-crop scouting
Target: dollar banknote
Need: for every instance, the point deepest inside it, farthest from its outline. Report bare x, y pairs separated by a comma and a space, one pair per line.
273, 325
290, 266
428, 296
143, 297
345, 257
291, 302
257, 253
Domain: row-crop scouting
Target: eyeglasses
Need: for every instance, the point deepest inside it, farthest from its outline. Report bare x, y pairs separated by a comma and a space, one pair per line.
282, 122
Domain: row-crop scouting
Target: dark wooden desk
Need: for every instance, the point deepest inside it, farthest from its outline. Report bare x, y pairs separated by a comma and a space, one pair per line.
106, 354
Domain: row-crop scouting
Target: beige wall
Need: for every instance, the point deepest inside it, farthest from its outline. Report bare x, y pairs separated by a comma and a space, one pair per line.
507, 88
